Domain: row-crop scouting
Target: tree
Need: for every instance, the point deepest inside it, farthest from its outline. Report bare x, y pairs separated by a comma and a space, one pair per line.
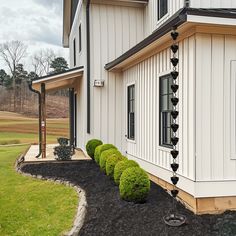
20, 74
59, 64
32, 75
12, 53
42, 60
3, 76
5, 79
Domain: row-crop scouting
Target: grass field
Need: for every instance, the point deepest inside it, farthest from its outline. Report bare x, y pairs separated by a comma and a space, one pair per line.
15, 128
32, 207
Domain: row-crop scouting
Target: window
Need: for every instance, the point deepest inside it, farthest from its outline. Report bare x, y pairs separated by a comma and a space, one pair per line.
80, 42
165, 110
131, 110
162, 8
74, 52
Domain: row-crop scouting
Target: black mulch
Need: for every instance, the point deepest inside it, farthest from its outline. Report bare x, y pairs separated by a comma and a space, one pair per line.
108, 215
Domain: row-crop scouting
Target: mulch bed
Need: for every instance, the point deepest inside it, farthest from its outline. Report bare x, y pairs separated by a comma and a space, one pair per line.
108, 215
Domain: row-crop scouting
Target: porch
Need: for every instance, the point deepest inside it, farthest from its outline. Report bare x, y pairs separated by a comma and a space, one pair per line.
64, 80
32, 152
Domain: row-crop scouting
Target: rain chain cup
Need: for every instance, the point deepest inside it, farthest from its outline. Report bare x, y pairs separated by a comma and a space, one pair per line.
174, 219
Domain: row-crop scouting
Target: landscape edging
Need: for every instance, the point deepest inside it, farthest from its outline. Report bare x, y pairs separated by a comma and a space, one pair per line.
82, 203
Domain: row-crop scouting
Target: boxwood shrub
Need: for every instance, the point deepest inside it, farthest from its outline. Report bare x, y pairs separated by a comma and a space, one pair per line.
107, 154
91, 146
134, 185
100, 149
111, 163
122, 166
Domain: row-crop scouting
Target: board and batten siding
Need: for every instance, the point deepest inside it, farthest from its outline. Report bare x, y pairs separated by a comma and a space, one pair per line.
215, 107
114, 30
151, 14
145, 75
213, 3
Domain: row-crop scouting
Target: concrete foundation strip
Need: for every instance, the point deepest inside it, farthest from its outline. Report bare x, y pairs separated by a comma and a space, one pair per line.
82, 205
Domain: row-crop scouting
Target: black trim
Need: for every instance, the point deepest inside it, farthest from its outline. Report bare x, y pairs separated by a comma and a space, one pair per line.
74, 51
88, 65
176, 20
40, 118
72, 116
60, 73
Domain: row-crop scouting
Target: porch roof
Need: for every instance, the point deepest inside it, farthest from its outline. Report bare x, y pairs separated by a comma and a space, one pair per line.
65, 79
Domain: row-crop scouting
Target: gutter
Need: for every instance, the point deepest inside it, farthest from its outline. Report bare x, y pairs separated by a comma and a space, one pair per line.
40, 119
88, 65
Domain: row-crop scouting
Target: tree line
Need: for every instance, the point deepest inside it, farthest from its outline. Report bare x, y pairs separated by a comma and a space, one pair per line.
14, 92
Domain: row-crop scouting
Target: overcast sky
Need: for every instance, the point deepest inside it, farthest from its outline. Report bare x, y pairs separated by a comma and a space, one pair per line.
38, 23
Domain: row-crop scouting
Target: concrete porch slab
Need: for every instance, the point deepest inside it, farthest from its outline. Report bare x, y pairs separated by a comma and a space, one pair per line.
33, 151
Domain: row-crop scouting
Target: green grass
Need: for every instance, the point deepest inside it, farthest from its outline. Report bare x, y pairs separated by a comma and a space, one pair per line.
15, 128
32, 207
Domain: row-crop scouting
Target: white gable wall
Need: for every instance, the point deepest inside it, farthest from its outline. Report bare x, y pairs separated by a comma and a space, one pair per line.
215, 107
146, 149
213, 3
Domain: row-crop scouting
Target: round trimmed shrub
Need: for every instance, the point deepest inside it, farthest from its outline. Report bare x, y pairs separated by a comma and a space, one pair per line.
91, 146
111, 163
105, 155
100, 149
122, 166
134, 185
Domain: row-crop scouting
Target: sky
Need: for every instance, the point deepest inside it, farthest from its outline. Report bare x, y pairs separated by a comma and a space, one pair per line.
37, 23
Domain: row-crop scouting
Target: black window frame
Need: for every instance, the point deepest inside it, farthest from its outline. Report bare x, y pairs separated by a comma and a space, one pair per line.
131, 112
165, 132
162, 8
74, 51
80, 39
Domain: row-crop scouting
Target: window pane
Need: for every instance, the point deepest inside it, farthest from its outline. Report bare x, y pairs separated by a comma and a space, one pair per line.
164, 86
163, 8
164, 102
131, 108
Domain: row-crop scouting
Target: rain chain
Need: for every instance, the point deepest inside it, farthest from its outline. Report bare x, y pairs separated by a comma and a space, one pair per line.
174, 219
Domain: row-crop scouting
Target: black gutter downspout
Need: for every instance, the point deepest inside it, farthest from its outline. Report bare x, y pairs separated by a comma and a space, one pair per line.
88, 64
72, 115
40, 119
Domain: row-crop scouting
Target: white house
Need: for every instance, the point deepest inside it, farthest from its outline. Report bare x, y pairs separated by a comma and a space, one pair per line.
121, 47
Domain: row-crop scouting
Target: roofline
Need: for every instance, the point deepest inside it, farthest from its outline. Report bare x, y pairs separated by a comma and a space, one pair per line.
43, 78
179, 18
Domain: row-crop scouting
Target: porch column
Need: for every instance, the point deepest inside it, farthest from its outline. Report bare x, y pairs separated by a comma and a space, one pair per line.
43, 123
72, 115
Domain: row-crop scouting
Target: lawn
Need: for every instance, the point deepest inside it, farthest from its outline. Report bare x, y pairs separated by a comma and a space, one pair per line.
32, 207
15, 128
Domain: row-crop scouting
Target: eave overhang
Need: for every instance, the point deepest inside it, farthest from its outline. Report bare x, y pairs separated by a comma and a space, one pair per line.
184, 19
53, 82
66, 22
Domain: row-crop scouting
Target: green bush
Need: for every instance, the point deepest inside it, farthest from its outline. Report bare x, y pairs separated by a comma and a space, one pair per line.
122, 166
91, 146
100, 149
111, 163
105, 155
134, 185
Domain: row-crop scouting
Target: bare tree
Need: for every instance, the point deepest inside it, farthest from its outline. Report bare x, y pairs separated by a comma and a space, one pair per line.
12, 53
42, 60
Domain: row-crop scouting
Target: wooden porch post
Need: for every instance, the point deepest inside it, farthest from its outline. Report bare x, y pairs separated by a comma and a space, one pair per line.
43, 124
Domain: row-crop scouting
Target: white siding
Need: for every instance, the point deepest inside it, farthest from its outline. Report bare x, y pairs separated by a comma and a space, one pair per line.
151, 15
215, 107
213, 3
145, 75
114, 30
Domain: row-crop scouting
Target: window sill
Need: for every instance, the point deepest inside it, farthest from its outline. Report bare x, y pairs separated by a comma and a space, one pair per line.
165, 148
161, 20
131, 140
